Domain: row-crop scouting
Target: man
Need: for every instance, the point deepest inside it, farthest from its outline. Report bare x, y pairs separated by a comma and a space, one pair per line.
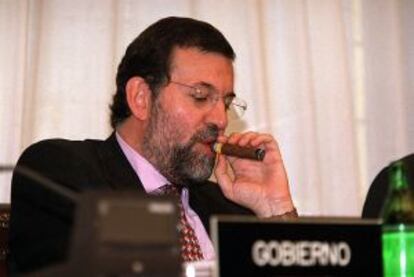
174, 90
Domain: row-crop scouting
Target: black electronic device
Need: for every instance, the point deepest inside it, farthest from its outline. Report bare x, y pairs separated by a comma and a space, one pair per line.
116, 233
122, 233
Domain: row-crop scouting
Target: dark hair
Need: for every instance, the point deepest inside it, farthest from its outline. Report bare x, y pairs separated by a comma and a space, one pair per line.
149, 56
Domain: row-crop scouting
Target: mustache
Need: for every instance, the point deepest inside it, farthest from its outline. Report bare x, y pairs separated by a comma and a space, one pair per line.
210, 133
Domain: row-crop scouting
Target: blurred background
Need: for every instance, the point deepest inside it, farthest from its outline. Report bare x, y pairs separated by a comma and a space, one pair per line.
332, 80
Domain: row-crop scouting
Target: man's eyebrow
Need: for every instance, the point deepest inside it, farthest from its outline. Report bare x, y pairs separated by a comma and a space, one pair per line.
210, 86
207, 85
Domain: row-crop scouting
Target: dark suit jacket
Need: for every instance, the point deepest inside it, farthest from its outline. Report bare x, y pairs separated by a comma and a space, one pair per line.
41, 220
379, 189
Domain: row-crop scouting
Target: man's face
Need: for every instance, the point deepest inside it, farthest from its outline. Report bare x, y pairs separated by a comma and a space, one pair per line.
184, 123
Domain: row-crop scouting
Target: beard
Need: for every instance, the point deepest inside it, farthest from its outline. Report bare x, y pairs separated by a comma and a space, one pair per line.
178, 161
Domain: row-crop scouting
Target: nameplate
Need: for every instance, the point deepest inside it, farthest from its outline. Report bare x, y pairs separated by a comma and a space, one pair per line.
248, 246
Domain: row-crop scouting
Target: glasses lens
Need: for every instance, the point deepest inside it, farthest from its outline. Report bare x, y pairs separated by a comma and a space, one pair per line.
237, 108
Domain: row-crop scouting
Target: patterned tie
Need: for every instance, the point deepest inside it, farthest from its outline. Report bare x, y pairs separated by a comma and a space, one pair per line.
190, 247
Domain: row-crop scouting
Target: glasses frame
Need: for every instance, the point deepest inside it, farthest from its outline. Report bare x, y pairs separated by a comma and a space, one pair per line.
236, 102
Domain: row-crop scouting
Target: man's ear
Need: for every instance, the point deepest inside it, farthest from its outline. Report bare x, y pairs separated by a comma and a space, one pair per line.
138, 96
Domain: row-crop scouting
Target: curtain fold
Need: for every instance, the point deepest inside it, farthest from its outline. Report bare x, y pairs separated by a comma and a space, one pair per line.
331, 80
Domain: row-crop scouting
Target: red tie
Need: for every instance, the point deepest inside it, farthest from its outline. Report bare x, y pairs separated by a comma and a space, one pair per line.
190, 247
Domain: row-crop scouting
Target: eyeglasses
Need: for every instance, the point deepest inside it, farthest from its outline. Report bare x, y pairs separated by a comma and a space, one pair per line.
206, 97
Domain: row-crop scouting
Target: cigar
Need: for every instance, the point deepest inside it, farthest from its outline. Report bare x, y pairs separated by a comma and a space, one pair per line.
238, 151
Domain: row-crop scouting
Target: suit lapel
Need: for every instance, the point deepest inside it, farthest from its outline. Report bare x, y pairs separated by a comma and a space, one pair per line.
117, 170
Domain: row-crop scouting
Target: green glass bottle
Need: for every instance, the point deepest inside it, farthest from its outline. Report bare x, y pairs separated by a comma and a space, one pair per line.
398, 224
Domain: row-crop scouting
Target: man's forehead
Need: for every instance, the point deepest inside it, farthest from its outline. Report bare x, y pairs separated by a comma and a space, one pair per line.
205, 68
193, 55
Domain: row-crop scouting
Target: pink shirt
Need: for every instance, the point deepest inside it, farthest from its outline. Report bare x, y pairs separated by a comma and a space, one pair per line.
152, 180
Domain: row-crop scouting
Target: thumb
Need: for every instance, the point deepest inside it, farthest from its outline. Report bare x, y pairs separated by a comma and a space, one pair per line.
223, 177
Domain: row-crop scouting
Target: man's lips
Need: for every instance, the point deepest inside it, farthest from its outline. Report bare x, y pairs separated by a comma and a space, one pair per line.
207, 144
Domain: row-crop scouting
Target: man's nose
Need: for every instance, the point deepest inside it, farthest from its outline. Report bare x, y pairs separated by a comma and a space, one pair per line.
218, 115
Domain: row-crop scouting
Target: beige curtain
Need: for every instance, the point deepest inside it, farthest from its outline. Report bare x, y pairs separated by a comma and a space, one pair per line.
331, 80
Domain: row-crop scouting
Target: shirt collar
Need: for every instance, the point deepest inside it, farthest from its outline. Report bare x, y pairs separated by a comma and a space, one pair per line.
150, 177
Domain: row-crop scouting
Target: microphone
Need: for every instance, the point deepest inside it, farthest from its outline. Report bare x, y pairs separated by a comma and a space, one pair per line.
251, 153
43, 181
6, 167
